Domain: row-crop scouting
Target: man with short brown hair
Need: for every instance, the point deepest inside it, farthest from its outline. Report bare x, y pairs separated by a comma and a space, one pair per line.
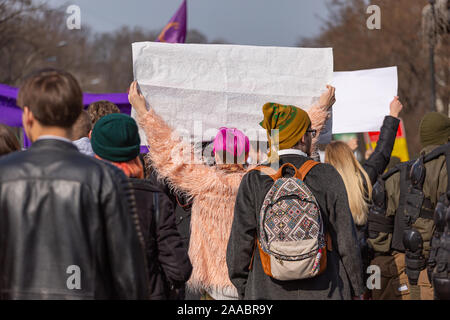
54, 98
68, 222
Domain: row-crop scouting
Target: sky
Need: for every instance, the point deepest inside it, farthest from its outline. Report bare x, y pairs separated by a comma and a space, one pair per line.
246, 22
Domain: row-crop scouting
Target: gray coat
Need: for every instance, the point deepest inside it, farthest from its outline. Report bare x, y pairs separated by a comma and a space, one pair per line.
341, 280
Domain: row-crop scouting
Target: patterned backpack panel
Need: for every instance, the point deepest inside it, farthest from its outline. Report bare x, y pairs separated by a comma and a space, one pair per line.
291, 235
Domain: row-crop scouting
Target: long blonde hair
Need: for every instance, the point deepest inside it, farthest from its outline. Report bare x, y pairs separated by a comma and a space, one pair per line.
340, 156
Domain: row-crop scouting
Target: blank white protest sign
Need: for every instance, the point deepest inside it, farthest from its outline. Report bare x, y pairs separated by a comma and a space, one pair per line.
363, 98
198, 88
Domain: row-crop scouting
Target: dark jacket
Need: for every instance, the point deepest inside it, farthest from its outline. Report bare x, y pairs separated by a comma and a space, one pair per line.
342, 278
171, 266
182, 206
68, 227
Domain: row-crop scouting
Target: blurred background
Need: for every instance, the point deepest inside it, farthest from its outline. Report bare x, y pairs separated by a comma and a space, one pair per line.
34, 34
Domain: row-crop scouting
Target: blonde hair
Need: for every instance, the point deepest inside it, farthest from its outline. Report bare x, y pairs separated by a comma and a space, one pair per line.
340, 156
222, 164
230, 168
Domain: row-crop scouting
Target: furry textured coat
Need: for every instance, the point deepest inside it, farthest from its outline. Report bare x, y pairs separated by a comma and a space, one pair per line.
214, 194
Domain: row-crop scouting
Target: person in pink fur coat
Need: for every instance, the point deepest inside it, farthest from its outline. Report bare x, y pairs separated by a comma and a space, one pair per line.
213, 189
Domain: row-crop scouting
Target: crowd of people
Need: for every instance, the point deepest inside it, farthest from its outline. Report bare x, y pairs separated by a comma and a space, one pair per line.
85, 215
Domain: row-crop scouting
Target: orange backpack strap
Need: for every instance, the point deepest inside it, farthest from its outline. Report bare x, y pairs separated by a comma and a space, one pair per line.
329, 242
303, 171
299, 173
305, 168
266, 170
272, 174
275, 175
279, 173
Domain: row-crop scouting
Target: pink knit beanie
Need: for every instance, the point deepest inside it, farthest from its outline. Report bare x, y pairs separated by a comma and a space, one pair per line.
232, 141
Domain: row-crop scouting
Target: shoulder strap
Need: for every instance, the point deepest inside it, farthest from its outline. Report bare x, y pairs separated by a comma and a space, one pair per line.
437, 152
390, 173
404, 181
306, 167
266, 170
185, 206
156, 206
299, 173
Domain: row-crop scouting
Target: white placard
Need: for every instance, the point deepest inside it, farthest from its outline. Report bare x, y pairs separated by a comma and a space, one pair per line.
363, 98
199, 88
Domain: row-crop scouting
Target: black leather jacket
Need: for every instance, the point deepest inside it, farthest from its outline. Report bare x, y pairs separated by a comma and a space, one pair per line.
68, 227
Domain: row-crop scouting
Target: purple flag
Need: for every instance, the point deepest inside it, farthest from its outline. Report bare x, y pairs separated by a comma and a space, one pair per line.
175, 30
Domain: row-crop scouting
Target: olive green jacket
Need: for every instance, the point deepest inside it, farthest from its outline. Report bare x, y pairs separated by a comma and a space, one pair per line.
434, 186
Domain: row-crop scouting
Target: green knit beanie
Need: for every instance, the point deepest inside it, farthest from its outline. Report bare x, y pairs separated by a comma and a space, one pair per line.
115, 137
434, 129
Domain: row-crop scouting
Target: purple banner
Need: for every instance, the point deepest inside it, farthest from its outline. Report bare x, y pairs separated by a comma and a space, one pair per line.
11, 114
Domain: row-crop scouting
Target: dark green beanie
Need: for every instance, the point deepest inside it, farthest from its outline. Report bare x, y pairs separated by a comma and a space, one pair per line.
434, 129
115, 137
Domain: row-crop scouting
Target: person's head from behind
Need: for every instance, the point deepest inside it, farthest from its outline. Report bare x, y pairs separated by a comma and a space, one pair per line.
99, 109
52, 101
8, 141
82, 127
305, 142
231, 149
288, 127
340, 156
115, 138
434, 129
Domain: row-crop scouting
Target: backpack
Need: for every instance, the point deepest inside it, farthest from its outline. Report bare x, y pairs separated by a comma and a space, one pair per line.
291, 238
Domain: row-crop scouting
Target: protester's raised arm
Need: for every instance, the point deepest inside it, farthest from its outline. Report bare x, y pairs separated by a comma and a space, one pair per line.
172, 157
137, 100
328, 98
395, 107
319, 113
379, 159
